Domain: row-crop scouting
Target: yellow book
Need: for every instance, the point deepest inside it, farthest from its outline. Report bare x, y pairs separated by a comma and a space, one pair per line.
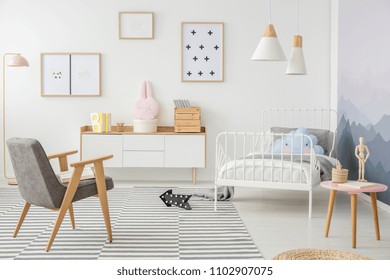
102, 120
107, 117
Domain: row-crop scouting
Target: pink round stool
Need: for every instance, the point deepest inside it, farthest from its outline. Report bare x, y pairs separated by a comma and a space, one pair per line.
353, 192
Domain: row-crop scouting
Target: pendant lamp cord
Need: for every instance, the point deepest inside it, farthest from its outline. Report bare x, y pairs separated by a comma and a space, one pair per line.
298, 19
270, 10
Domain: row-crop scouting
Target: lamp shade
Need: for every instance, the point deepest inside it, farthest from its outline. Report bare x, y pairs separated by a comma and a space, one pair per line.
269, 48
17, 61
296, 63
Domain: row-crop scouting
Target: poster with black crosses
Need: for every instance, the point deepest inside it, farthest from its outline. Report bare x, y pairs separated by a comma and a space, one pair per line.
202, 52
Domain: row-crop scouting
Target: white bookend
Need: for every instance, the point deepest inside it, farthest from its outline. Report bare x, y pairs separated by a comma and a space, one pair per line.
96, 123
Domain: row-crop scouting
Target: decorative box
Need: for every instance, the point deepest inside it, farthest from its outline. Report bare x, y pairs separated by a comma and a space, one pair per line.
187, 119
144, 126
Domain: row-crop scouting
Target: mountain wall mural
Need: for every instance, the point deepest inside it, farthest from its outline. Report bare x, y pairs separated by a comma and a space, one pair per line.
364, 88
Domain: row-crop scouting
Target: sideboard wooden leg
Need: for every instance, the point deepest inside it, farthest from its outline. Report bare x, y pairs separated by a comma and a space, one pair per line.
194, 176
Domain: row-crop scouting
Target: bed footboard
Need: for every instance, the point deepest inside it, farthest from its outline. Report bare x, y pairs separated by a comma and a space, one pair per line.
262, 159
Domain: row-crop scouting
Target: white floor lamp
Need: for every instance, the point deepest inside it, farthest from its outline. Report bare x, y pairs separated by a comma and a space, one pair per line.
15, 60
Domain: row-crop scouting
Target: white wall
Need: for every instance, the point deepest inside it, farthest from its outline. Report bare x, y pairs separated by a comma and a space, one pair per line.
32, 27
334, 53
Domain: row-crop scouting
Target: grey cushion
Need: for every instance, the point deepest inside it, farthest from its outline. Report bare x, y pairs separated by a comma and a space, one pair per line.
325, 137
88, 188
38, 184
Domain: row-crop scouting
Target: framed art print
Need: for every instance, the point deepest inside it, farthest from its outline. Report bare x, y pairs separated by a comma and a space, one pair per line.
136, 25
202, 52
70, 74
55, 74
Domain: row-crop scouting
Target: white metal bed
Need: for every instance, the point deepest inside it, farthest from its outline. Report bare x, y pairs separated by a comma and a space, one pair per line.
247, 159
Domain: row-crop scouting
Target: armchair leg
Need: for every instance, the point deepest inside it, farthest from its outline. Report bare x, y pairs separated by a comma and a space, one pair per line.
102, 192
21, 218
71, 215
66, 203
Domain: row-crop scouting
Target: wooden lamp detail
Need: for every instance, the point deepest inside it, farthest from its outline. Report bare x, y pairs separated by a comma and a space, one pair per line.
15, 60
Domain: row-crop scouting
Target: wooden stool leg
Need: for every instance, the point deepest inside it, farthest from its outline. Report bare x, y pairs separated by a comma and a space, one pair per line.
354, 218
71, 215
332, 197
21, 218
374, 207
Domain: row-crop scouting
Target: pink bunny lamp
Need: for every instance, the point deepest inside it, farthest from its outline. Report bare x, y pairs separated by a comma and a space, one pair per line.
146, 109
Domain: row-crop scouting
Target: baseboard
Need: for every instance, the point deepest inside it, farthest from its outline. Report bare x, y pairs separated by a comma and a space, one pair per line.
381, 205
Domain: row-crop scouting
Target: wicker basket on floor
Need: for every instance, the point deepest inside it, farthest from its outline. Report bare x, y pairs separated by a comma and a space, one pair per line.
318, 254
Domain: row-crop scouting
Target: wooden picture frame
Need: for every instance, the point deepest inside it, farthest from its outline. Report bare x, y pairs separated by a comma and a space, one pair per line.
136, 25
202, 52
70, 74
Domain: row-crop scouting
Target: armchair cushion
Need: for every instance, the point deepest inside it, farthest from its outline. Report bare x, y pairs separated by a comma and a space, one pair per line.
38, 184
88, 188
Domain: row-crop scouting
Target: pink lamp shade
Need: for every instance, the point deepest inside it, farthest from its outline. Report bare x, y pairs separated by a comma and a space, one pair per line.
17, 61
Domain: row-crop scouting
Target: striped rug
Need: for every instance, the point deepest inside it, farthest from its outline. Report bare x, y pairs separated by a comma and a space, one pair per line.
143, 228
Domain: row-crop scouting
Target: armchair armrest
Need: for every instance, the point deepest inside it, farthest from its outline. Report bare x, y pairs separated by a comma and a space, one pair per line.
62, 158
90, 161
100, 186
64, 154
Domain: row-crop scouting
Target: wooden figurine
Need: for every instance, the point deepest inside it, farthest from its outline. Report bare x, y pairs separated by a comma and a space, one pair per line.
362, 153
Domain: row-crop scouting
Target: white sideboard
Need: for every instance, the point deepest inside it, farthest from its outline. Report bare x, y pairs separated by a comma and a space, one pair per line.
165, 148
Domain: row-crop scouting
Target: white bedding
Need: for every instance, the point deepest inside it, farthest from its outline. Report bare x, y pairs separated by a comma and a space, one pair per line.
234, 170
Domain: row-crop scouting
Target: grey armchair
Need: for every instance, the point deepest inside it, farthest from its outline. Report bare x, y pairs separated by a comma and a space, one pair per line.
39, 185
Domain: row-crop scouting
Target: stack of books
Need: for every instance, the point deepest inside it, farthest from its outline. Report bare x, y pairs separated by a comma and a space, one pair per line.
180, 103
357, 185
101, 122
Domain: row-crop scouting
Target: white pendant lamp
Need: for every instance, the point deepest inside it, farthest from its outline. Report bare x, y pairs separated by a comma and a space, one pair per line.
269, 48
296, 63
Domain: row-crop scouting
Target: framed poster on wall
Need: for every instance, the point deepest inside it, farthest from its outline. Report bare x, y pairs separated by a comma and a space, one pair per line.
202, 52
70, 74
136, 25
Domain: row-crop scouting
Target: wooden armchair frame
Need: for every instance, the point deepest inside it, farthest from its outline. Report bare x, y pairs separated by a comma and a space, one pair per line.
66, 204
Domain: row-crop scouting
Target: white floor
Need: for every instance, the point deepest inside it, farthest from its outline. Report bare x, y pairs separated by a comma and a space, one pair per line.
278, 220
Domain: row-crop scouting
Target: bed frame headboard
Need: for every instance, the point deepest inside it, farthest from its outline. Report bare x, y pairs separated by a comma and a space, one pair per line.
299, 117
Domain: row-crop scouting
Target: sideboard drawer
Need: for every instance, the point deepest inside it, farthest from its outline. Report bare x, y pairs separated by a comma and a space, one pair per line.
143, 142
98, 145
185, 150
143, 158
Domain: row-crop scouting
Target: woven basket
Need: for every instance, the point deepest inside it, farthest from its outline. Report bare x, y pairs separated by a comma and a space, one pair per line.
339, 175
318, 254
